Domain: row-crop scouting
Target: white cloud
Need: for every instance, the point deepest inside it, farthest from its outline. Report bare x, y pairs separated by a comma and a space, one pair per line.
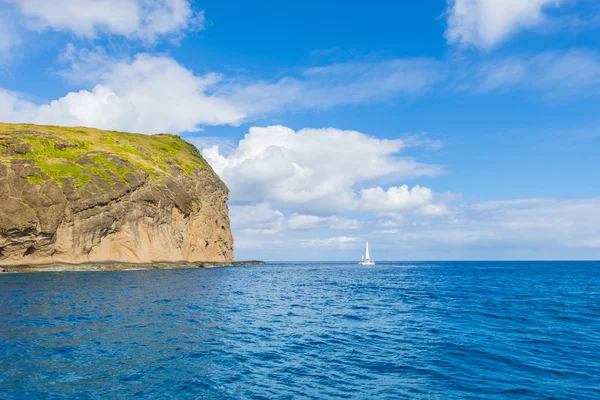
566, 221
86, 65
306, 222
436, 210
338, 223
558, 73
313, 170
9, 38
486, 23
421, 140
300, 186
547, 75
338, 84
148, 94
340, 242
142, 19
574, 72
256, 219
524, 228
512, 229
303, 222
395, 199
13, 108
382, 223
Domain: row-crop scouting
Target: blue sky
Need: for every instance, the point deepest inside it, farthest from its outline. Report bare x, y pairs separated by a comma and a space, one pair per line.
460, 129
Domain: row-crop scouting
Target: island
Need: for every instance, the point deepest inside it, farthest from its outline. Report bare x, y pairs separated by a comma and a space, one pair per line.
74, 197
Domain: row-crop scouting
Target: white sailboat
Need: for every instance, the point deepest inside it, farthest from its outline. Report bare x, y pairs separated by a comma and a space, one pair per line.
366, 259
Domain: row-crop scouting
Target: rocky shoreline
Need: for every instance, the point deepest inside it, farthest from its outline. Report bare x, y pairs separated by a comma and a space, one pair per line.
117, 266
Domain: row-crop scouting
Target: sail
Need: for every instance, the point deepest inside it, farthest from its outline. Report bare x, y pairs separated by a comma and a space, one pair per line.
367, 252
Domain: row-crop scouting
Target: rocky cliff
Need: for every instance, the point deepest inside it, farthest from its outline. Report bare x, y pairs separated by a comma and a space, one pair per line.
76, 195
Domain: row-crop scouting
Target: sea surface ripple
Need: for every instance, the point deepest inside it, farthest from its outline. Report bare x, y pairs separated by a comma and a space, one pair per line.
427, 330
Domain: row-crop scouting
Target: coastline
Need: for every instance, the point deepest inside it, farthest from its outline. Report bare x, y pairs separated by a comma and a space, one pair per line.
117, 266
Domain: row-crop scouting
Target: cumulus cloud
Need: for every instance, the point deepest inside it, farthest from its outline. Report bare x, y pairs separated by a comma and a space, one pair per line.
135, 19
313, 170
486, 23
148, 94
301, 186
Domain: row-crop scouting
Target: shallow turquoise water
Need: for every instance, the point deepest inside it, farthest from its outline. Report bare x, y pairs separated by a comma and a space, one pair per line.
452, 330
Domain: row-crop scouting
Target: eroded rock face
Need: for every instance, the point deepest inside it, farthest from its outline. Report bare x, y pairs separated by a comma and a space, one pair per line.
130, 211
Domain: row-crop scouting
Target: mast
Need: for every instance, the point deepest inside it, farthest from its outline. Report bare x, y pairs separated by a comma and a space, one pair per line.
367, 252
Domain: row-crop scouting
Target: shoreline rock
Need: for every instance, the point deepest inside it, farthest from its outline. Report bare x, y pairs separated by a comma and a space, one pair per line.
118, 266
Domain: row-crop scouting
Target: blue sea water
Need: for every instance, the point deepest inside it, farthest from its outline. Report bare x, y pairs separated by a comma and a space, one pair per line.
427, 330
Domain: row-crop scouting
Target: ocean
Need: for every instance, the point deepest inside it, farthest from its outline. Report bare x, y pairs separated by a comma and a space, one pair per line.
399, 330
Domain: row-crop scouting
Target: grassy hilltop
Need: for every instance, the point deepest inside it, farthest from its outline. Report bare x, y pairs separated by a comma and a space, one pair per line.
84, 153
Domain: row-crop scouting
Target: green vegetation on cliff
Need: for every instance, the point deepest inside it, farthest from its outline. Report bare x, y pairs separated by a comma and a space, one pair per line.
81, 154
